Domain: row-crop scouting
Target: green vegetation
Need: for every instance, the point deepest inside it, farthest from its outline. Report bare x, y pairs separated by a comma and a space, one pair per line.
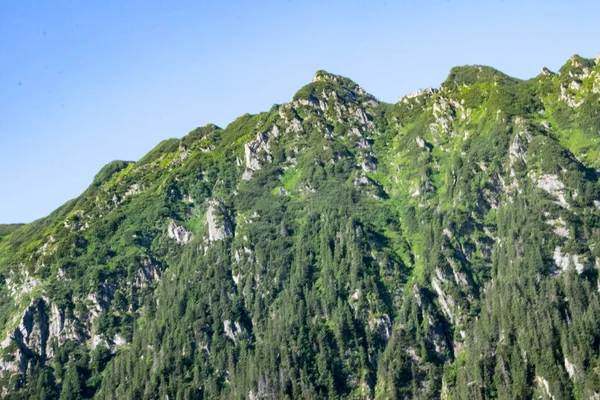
445, 246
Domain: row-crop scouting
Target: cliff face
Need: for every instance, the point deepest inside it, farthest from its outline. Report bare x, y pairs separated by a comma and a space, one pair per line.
442, 247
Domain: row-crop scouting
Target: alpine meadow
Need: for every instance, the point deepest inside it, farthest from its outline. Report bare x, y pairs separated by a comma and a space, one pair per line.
443, 247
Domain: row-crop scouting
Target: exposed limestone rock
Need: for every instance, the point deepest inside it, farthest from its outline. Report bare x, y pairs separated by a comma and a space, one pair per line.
363, 143
252, 153
382, 326
295, 125
443, 114
100, 300
97, 340
306, 103
275, 131
596, 85
553, 186
133, 190
543, 383
415, 191
560, 227
361, 180
57, 321
419, 93
34, 334
62, 328
422, 143
570, 368
179, 233
362, 118
147, 274
417, 294
563, 261
219, 225
446, 301
119, 340
324, 77
369, 164
518, 147
569, 98
20, 285
30, 339
232, 330
491, 197
575, 85
546, 72
48, 247
459, 277
78, 222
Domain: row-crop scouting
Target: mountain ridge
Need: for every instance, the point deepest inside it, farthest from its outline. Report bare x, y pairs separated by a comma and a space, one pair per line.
334, 246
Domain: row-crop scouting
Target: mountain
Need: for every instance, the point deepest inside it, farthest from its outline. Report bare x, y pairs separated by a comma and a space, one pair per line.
446, 246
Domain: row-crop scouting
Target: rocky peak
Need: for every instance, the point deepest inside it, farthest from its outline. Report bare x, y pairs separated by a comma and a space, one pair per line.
577, 67
324, 76
547, 72
326, 85
427, 92
202, 137
471, 74
262, 206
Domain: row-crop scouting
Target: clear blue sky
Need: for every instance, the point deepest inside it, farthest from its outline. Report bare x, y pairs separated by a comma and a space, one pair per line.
86, 82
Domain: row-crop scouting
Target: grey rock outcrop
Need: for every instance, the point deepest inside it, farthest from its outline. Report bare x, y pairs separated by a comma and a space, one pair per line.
553, 186
252, 154
179, 233
219, 225
422, 143
33, 336
148, 273
382, 326
232, 330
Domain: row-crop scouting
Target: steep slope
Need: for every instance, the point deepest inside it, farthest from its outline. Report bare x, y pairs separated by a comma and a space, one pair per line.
335, 246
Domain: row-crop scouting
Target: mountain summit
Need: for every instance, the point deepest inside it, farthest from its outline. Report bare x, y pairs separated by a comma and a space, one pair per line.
446, 246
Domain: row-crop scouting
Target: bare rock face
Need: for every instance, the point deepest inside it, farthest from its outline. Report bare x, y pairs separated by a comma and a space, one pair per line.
147, 274
32, 333
518, 148
568, 97
179, 233
446, 301
99, 300
252, 153
422, 143
232, 330
560, 227
57, 321
219, 225
553, 186
382, 326
564, 261
419, 93
369, 164
32, 337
